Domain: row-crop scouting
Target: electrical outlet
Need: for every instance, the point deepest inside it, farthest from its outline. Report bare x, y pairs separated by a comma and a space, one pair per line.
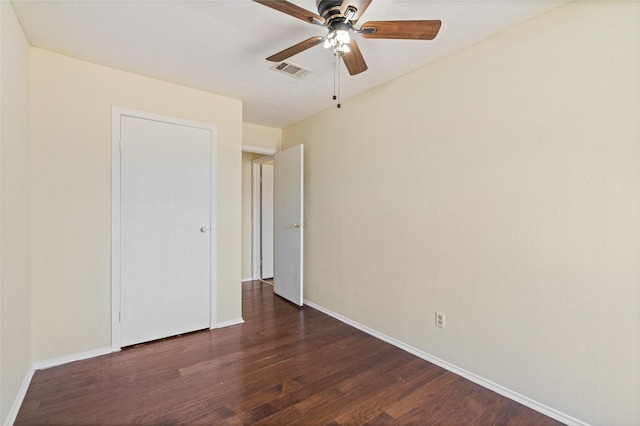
439, 319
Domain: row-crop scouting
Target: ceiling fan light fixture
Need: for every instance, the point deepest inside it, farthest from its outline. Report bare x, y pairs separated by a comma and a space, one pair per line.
337, 38
343, 37
349, 13
341, 50
339, 41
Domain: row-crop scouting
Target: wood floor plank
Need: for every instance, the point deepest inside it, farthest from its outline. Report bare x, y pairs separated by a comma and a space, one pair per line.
373, 406
321, 378
283, 365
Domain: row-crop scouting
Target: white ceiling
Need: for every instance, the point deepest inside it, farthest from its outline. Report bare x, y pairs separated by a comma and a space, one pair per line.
220, 45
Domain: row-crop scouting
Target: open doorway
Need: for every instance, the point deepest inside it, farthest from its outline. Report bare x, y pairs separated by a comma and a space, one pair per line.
273, 220
262, 243
254, 246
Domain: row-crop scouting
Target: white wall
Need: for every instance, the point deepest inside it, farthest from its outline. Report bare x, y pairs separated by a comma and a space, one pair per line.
501, 187
71, 104
15, 312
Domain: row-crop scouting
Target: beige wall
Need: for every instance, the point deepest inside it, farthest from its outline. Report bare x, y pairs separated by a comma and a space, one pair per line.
15, 312
247, 207
71, 104
501, 187
261, 136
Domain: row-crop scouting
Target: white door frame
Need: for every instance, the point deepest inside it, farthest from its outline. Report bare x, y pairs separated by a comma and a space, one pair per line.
256, 223
256, 232
256, 217
116, 114
266, 218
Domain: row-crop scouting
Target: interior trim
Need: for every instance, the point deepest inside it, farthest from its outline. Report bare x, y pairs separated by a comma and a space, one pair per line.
116, 114
508, 393
258, 150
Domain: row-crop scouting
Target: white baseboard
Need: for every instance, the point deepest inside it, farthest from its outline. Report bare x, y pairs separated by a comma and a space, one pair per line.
41, 365
246, 280
528, 402
17, 403
228, 323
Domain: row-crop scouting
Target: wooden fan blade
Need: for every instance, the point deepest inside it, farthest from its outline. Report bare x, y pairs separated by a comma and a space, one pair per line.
294, 50
359, 5
293, 10
406, 30
354, 60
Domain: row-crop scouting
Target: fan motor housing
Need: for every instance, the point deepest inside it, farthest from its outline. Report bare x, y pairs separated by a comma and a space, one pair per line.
329, 9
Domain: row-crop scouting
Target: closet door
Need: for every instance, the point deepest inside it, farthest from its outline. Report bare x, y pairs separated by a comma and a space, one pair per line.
165, 229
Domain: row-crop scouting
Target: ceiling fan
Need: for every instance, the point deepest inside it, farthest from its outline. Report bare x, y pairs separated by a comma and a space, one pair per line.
340, 18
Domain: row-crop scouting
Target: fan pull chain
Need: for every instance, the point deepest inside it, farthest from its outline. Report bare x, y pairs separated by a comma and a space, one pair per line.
336, 79
339, 68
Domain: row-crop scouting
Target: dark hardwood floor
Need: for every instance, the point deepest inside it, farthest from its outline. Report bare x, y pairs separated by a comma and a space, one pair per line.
284, 365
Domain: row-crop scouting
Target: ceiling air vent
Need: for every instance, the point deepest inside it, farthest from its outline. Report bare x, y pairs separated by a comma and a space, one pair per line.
290, 69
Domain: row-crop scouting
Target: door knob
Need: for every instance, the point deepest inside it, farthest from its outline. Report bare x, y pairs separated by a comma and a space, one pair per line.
204, 229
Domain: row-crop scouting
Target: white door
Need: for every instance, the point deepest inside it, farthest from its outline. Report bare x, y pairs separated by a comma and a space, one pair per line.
165, 215
288, 223
266, 207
